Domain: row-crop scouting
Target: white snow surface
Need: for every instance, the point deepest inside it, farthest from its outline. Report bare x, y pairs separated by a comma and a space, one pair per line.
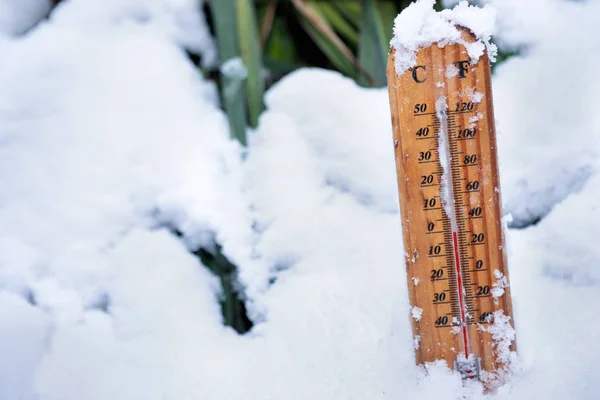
18, 16
182, 21
109, 136
419, 26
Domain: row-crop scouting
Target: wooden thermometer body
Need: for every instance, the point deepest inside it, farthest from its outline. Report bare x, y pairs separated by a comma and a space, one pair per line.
445, 149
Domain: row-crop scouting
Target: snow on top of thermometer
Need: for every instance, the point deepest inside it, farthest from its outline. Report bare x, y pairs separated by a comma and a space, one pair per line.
419, 25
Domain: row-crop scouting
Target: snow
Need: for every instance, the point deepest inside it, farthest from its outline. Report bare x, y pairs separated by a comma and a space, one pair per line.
416, 313
419, 26
22, 344
181, 21
234, 68
441, 107
476, 97
499, 285
416, 342
109, 138
18, 16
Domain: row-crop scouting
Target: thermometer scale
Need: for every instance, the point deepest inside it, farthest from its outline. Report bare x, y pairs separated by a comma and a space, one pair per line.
445, 150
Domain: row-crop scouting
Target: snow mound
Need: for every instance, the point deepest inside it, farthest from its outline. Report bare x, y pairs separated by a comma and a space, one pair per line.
181, 21
334, 129
101, 133
569, 255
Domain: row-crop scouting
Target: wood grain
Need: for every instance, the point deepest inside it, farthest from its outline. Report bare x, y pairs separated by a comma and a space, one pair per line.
481, 263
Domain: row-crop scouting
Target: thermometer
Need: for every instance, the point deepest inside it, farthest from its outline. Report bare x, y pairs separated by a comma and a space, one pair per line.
447, 168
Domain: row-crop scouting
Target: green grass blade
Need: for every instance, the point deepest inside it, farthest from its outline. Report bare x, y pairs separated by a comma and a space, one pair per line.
372, 48
280, 45
338, 22
232, 92
350, 9
250, 49
337, 58
325, 38
267, 18
388, 12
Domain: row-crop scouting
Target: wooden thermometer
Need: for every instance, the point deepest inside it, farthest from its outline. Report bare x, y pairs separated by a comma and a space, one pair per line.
445, 147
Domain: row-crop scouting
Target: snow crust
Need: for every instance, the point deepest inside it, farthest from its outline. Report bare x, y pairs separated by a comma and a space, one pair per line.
419, 26
109, 138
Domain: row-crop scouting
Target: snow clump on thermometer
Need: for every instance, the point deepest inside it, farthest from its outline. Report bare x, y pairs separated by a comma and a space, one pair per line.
416, 313
419, 26
503, 336
416, 341
500, 284
444, 155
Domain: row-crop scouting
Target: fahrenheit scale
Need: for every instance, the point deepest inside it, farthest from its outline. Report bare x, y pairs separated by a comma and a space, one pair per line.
445, 147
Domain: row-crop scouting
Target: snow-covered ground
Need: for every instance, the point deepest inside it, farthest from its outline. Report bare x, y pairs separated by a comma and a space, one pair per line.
109, 136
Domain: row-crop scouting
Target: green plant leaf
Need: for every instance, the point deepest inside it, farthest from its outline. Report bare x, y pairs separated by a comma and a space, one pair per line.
388, 13
372, 47
350, 9
232, 92
280, 45
250, 51
438, 6
325, 38
337, 58
338, 22
268, 18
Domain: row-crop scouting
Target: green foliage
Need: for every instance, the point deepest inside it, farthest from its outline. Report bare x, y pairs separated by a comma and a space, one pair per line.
347, 28
325, 37
373, 46
350, 36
